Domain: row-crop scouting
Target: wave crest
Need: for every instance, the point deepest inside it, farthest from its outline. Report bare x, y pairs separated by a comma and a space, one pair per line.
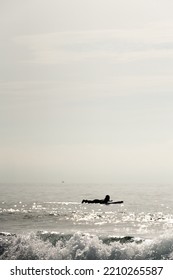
80, 246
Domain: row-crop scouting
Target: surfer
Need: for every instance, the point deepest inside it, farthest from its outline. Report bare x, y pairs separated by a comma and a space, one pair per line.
106, 200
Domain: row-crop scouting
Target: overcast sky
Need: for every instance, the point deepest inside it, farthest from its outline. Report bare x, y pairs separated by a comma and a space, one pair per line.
86, 91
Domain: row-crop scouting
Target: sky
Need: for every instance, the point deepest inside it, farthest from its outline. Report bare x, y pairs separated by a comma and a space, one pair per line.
86, 91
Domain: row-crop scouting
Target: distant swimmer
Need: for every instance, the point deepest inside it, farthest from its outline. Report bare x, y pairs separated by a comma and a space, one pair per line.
106, 200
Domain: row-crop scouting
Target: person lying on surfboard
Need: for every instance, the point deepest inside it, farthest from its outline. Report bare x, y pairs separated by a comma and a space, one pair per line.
106, 201
101, 201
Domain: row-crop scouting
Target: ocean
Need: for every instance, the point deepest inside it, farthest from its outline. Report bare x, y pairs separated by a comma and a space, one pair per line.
49, 222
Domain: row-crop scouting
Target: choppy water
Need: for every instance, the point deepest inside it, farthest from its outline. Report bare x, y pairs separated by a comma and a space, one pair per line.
49, 222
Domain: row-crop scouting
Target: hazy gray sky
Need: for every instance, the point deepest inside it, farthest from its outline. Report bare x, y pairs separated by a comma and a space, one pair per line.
86, 91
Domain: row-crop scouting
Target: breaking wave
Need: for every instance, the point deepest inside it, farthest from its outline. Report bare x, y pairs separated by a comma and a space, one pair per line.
44, 245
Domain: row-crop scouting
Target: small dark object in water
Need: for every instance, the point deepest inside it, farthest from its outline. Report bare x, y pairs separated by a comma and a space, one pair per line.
106, 200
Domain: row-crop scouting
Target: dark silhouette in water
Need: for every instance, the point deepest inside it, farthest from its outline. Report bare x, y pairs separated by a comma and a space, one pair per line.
106, 200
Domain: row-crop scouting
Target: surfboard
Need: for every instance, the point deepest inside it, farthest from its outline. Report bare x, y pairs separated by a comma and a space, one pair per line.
115, 202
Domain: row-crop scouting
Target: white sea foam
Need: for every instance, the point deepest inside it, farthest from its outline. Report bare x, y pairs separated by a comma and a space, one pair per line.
52, 245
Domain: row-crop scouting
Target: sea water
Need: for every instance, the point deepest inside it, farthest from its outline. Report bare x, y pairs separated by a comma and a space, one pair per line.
48, 221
